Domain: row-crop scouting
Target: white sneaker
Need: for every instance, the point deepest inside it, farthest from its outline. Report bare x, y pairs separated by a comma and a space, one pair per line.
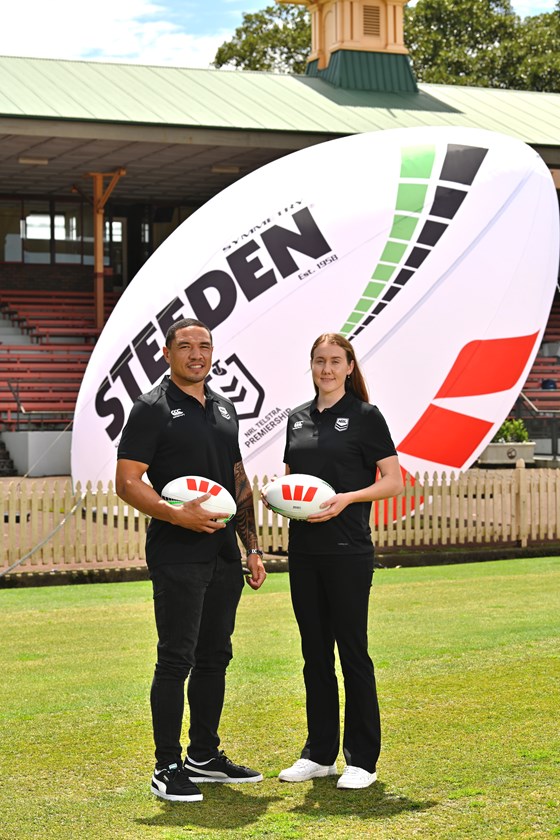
304, 769
355, 777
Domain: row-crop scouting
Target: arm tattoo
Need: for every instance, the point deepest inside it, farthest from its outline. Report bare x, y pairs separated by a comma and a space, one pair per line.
245, 516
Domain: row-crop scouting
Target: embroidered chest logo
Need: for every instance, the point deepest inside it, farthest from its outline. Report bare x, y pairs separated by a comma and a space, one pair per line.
297, 425
342, 424
177, 412
224, 412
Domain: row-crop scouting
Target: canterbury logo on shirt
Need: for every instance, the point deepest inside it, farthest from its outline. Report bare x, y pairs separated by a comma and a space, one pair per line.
297, 425
177, 412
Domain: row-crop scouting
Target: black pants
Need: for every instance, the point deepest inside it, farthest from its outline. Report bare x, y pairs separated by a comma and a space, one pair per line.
195, 606
330, 596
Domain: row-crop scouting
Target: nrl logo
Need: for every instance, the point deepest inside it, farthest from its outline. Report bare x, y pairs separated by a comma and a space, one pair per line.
342, 424
224, 412
238, 385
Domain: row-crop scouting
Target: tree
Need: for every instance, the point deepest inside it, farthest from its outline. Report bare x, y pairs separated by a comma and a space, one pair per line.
483, 43
277, 38
460, 42
537, 51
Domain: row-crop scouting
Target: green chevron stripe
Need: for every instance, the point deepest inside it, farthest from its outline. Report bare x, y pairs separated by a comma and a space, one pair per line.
417, 163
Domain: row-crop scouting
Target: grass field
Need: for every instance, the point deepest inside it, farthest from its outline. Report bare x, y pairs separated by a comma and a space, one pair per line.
467, 661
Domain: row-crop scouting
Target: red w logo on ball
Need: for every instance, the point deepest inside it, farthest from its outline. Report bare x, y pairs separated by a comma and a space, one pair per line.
295, 494
203, 485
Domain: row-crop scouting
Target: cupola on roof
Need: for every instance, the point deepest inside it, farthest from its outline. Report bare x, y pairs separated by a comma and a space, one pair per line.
359, 44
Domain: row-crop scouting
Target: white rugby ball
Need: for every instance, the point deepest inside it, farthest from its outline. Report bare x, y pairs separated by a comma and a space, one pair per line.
297, 495
189, 487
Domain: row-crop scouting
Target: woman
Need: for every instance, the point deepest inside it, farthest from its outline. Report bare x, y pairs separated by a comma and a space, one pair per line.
344, 440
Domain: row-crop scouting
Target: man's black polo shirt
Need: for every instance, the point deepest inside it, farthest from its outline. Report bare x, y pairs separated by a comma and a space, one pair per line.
173, 433
341, 445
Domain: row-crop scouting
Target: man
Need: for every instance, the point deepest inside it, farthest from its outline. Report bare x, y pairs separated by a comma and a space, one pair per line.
179, 428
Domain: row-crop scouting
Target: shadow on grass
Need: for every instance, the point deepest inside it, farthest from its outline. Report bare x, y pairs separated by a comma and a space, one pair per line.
228, 807
223, 807
373, 802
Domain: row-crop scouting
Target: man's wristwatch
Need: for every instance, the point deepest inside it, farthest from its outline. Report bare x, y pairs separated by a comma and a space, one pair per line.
255, 551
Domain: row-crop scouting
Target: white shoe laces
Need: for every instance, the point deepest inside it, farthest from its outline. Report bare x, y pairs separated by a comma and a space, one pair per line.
303, 764
349, 770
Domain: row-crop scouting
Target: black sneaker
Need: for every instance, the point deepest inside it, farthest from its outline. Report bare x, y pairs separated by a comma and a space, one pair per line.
174, 784
220, 769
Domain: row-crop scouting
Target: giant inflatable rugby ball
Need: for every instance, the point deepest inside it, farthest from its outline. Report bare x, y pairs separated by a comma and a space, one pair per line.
297, 496
189, 487
434, 250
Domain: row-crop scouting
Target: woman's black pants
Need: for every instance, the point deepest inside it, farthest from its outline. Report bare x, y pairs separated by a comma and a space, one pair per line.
330, 596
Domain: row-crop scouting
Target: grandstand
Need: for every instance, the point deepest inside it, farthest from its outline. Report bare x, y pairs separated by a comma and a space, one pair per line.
542, 386
46, 339
539, 401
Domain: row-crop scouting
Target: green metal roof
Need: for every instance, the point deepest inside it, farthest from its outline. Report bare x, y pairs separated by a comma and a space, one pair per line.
136, 94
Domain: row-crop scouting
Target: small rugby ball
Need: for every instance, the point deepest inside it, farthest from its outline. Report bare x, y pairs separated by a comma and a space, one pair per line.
189, 487
297, 496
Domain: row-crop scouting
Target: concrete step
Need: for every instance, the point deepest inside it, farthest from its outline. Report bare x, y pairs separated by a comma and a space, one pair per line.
9, 338
10, 334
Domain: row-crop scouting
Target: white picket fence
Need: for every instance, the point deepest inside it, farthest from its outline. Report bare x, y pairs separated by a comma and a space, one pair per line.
55, 527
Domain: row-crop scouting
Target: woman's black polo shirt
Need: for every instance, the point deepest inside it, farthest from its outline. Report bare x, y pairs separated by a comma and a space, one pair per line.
341, 445
173, 433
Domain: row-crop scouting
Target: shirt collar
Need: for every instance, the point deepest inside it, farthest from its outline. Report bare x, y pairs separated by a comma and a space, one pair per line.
343, 404
178, 395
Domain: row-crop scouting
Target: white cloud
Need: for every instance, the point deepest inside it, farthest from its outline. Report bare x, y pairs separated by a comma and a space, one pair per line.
136, 31
176, 49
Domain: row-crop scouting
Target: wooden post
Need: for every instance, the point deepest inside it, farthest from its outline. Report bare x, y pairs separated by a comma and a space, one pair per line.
100, 198
98, 279
522, 523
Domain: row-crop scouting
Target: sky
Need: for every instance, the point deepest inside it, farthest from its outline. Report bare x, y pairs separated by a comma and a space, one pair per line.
183, 33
